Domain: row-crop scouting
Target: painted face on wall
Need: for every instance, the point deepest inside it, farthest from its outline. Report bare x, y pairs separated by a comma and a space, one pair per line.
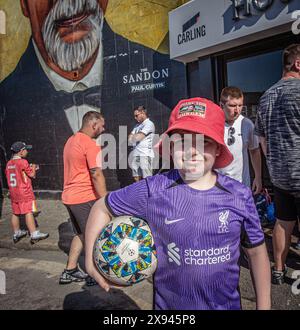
67, 33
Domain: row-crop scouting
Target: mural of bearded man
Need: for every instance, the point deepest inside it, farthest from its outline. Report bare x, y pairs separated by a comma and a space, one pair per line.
60, 76
67, 39
56, 81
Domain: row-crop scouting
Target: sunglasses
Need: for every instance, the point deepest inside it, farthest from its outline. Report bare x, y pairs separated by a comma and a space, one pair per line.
231, 138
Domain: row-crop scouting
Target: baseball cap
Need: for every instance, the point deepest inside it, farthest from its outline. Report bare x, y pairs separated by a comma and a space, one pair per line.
201, 116
18, 146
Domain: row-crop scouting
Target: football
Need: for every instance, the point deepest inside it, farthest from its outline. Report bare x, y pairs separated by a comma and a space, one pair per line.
124, 252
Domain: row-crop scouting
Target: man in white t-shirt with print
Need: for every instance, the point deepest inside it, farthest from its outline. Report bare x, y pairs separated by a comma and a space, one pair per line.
240, 138
141, 138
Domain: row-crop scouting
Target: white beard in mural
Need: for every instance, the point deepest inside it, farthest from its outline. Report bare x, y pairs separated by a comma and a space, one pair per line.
71, 56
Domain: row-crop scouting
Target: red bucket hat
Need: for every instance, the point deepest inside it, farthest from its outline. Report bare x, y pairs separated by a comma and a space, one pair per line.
201, 116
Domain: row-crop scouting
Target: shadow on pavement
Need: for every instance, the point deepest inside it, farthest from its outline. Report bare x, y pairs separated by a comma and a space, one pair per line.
95, 298
66, 234
23, 222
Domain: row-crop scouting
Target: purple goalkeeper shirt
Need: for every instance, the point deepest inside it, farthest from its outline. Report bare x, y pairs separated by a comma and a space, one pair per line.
197, 236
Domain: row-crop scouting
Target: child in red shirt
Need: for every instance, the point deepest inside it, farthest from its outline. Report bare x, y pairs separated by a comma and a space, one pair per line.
19, 174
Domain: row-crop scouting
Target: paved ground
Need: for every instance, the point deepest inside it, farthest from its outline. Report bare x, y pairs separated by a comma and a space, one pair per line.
32, 283
53, 219
32, 273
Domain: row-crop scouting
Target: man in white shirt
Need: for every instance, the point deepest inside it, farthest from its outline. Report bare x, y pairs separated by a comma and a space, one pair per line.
240, 138
141, 138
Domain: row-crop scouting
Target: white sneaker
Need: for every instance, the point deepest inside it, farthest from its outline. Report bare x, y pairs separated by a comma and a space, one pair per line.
38, 236
19, 235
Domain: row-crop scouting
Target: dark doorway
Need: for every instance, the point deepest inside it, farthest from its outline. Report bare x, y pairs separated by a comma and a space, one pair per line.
254, 68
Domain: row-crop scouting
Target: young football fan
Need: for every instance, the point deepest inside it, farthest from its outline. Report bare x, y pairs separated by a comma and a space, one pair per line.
198, 218
19, 174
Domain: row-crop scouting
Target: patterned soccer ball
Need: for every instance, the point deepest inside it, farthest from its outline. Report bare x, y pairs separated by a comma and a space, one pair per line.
124, 252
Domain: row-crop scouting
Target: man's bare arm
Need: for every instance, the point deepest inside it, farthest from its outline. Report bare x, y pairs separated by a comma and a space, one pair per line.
255, 157
136, 137
98, 181
263, 143
98, 218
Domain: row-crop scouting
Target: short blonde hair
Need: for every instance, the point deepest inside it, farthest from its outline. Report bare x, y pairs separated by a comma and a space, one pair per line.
91, 115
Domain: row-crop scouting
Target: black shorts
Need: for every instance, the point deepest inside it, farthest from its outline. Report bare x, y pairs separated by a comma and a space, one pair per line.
287, 204
79, 214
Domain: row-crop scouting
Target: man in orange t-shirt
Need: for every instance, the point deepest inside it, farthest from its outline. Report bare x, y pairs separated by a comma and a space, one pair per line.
84, 183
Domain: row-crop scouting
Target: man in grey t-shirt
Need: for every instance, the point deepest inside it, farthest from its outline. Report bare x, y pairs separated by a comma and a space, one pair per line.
141, 139
278, 126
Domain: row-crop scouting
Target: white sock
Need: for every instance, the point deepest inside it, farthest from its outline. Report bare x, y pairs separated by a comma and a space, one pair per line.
34, 233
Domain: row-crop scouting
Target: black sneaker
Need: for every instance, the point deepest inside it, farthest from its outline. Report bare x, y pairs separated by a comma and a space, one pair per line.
278, 277
72, 275
90, 281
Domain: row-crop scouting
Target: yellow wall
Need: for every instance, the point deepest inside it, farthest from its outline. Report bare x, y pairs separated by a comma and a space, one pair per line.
15, 41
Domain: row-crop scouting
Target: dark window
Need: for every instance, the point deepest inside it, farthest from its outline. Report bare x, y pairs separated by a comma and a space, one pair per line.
193, 79
255, 73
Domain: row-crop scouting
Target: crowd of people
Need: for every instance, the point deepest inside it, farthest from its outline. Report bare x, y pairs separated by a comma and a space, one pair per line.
209, 190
